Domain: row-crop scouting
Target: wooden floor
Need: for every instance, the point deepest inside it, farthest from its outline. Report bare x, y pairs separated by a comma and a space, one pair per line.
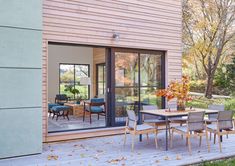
103, 151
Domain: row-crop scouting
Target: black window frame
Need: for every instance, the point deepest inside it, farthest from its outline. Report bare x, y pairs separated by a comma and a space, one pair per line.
76, 64
97, 78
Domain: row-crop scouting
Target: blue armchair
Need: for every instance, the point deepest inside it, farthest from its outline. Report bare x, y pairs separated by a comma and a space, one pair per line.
95, 106
61, 99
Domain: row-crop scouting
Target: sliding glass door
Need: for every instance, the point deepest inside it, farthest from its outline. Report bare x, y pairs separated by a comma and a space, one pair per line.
137, 76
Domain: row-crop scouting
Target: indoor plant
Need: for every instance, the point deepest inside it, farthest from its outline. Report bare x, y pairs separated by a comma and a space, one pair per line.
179, 90
74, 91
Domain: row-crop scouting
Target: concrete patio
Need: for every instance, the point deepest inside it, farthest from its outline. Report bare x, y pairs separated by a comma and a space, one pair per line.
103, 151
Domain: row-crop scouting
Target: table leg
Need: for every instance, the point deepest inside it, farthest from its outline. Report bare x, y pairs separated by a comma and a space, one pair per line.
140, 118
166, 119
221, 137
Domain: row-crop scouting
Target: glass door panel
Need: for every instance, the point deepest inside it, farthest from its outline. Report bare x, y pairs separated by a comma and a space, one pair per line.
150, 70
125, 99
138, 74
150, 79
126, 84
126, 69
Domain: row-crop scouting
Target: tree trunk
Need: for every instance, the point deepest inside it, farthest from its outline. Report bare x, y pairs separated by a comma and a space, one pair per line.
209, 86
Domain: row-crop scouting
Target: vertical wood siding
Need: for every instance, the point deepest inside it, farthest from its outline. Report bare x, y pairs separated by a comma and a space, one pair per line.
145, 24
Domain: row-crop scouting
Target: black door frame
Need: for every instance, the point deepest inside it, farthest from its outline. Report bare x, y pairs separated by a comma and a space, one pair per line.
111, 79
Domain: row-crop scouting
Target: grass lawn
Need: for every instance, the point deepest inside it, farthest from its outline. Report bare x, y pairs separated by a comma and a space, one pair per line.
202, 102
226, 162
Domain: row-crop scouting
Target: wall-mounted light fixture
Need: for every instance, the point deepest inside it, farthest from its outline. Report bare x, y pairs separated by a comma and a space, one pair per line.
116, 36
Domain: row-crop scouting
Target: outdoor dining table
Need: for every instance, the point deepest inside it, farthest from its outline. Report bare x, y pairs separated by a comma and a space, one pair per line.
170, 114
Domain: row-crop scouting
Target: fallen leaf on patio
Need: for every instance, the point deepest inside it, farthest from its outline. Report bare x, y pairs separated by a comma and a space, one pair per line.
115, 161
157, 161
82, 146
52, 150
82, 155
178, 157
100, 151
50, 157
166, 158
70, 155
139, 153
109, 142
123, 164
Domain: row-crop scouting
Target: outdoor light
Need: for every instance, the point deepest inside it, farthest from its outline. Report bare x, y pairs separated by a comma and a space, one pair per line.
116, 36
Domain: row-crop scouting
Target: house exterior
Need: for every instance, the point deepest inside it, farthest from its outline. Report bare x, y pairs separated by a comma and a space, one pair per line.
27, 29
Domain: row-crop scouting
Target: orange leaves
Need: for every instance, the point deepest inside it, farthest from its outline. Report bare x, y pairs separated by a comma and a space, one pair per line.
176, 89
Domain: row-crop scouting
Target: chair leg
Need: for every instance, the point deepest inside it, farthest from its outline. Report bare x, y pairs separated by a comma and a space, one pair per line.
57, 115
186, 141
214, 138
98, 116
125, 137
200, 141
189, 145
210, 135
90, 117
182, 136
169, 130
207, 141
156, 140
84, 115
133, 143
147, 136
227, 136
171, 143
220, 148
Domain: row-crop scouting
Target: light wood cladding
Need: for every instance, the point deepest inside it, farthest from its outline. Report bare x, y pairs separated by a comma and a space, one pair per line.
146, 24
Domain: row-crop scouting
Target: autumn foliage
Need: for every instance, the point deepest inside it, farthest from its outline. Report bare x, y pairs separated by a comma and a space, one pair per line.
177, 89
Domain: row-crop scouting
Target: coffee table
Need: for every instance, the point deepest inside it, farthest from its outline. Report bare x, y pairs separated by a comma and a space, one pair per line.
76, 108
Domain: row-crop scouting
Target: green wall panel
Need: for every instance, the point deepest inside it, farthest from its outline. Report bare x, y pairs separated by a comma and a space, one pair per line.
20, 88
21, 74
20, 132
20, 48
21, 13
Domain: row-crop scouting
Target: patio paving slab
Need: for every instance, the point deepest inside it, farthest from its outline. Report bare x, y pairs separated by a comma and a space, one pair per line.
102, 151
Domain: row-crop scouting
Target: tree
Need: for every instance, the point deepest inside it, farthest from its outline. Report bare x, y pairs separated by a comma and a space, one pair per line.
207, 32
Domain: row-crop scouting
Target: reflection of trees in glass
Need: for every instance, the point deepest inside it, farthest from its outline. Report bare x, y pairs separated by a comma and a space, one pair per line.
126, 69
150, 68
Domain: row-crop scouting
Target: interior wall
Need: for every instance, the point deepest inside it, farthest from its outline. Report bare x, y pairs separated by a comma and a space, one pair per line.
66, 54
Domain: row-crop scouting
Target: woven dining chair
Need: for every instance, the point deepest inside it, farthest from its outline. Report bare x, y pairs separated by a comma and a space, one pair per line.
212, 118
224, 125
153, 119
195, 126
178, 120
134, 129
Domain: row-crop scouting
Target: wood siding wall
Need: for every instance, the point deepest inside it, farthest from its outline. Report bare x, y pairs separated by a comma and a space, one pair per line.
146, 24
